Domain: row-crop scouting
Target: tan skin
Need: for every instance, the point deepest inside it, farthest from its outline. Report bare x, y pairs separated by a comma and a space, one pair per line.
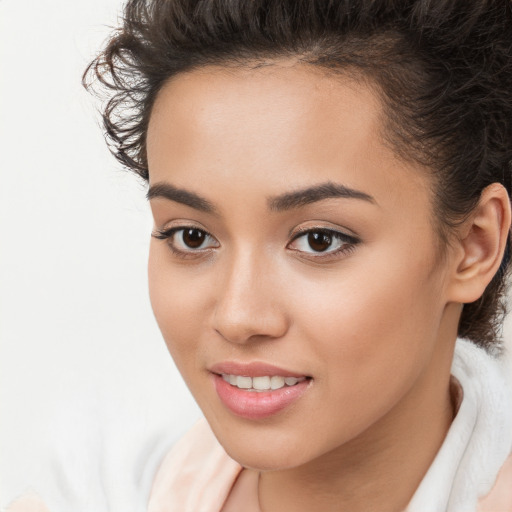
372, 319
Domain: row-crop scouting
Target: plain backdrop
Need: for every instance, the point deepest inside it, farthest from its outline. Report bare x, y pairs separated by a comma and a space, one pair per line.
78, 338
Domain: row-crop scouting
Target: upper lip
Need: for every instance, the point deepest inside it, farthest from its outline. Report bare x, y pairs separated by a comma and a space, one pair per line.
252, 369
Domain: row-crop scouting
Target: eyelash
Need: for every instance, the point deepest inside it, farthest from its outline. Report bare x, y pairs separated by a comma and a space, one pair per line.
348, 242
167, 234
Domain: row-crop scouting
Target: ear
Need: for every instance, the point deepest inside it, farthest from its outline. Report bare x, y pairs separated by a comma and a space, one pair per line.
481, 244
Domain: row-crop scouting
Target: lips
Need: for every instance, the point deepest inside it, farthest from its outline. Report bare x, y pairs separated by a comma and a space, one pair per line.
257, 390
253, 369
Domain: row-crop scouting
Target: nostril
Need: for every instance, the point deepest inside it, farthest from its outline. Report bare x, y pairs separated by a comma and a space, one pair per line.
235, 334
241, 325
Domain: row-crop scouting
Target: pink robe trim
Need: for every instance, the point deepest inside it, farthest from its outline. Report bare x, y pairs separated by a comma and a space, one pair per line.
195, 476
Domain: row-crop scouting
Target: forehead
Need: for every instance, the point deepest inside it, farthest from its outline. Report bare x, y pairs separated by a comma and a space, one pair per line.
280, 125
281, 101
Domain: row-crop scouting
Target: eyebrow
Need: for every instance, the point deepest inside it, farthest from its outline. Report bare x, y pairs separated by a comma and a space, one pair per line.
283, 202
179, 195
316, 193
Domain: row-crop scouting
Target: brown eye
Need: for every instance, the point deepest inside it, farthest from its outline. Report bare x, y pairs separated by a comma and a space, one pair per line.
193, 238
319, 241
186, 241
313, 242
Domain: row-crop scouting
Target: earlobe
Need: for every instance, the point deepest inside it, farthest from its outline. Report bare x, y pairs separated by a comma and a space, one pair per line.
482, 240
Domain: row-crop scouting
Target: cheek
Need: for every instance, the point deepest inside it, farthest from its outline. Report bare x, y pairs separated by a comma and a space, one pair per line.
362, 301
372, 331
177, 301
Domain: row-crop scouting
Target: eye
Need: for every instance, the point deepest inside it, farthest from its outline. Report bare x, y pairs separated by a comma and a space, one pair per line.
184, 240
322, 241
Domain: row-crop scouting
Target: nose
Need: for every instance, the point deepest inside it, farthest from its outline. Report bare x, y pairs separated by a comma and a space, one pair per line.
248, 305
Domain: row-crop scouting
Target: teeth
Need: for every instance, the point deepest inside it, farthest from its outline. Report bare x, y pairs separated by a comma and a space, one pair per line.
277, 382
244, 382
263, 383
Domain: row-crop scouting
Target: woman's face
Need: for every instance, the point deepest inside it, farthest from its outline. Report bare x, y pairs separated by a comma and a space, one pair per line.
292, 242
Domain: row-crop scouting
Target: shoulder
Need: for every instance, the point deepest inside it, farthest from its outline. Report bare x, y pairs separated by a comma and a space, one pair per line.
196, 474
27, 503
88, 453
500, 497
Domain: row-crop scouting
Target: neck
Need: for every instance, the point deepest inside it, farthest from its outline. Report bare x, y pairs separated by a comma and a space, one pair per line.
383, 466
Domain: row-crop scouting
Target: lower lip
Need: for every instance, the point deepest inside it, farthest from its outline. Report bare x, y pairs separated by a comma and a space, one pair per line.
257, 404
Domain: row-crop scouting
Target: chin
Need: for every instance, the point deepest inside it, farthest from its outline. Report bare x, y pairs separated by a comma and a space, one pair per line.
264, 448
264, 459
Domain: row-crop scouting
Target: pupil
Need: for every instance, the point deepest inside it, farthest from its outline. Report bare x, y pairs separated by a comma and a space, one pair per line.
319, 241
193, 238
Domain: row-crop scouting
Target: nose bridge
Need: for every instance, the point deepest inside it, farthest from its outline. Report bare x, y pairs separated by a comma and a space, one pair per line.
247, 303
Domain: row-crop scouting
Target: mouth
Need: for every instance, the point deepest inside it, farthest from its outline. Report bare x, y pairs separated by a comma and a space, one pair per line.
257, 390
262, 383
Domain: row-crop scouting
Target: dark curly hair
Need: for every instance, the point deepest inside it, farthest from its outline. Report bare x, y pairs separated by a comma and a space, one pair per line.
443, 69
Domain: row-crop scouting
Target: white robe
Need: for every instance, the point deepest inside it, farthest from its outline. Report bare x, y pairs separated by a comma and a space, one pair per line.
197, 475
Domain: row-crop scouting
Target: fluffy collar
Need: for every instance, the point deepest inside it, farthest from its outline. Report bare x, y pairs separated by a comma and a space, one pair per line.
479, 439
197, 475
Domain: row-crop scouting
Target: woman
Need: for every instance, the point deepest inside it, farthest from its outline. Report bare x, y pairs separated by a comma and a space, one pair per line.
330, 186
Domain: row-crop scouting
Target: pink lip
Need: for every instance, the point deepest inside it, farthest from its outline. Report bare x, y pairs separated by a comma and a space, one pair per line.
254, 369
255, 404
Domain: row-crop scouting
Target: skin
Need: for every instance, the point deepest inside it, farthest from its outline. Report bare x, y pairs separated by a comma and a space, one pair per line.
374, 326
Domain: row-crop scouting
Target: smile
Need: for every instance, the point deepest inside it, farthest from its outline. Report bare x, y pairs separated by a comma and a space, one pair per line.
264, 383
254, 398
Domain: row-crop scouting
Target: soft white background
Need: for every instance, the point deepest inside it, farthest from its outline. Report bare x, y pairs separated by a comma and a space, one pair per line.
79, 345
